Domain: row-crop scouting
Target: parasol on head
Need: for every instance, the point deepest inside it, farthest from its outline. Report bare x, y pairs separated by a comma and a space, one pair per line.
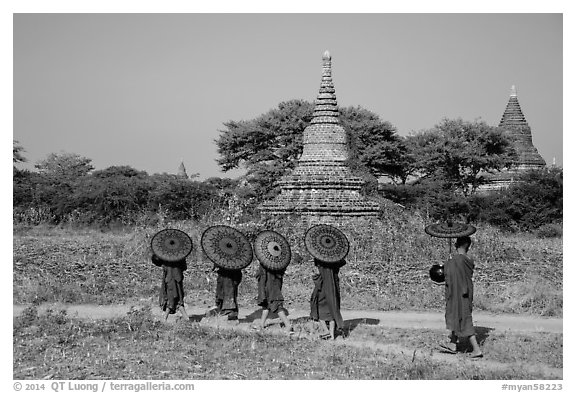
272, 250
171, 245
450, 229
447, 230
326, 243
226, 247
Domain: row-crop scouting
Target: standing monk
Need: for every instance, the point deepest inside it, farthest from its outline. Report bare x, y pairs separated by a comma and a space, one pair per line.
459, 293
325, 299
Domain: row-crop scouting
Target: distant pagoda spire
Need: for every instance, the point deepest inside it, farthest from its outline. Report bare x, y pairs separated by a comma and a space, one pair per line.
182, 170
514, 123
513, 115
322, 185
515, 126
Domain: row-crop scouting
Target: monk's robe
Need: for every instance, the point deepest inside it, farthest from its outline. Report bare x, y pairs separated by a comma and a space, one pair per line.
227, 291
172, 287
325, 299
270, 289
459, 295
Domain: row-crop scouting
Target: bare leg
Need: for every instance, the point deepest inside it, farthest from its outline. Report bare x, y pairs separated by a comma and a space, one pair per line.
333, 329
284, 318
184, 313
166, 313
476, 352
263, 319
323, 328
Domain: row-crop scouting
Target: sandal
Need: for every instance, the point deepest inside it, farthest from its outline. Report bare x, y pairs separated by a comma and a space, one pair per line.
325, 336
474, 357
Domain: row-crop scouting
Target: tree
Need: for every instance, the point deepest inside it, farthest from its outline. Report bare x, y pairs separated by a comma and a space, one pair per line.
374, 144
459, 153
17, 150
65, 165
112, 194
269, 145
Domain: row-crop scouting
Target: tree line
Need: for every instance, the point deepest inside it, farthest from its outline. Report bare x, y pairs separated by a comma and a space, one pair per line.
436, 171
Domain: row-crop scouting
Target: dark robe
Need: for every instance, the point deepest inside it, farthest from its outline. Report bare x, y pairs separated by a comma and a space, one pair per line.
227, 291
172, 287
270, 289
459, 295
325, 299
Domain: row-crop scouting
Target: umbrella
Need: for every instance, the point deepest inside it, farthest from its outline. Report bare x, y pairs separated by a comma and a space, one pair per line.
272, 250
326, 243
171, 245
227, 247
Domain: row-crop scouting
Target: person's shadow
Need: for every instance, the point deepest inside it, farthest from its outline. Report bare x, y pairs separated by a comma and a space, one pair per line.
482, 333
196, 318
351, 324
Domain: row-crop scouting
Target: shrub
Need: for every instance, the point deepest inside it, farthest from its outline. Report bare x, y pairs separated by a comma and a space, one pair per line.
549, 230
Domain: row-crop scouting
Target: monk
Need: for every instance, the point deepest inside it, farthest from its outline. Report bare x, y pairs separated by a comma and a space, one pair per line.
459, 293
227, 292
172, 288
325, 299
270, 295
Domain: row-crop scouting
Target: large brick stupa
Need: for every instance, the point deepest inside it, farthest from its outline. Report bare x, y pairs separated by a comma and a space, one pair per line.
321, 184
515, 125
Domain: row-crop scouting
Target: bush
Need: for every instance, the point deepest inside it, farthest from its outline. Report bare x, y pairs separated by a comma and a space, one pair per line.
549, 230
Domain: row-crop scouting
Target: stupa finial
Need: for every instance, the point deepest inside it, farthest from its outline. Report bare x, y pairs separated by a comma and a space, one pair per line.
513, 91
326, 56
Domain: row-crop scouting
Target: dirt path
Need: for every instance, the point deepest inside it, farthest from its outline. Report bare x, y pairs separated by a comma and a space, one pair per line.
405, 320
397, 319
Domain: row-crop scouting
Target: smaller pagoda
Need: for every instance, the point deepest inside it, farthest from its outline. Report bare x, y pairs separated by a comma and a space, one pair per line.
515, 125
182, 171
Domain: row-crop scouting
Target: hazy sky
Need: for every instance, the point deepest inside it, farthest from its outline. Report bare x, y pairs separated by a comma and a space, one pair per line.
150, 90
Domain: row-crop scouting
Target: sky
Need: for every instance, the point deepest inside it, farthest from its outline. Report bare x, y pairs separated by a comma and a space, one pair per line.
152, 90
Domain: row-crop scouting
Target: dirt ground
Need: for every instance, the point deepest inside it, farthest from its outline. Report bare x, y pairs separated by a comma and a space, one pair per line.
397, 319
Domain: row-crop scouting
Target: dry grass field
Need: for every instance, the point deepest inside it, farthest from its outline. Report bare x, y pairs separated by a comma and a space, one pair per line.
387, 269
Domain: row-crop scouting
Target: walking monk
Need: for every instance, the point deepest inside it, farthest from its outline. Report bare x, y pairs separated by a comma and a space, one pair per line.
270, 295
172, 288
459, 293
325, 299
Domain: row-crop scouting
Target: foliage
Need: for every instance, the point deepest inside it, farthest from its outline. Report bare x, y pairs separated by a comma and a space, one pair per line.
458, 153
65, 165
373, 143
549, 230
66, 190
17, 151
112, 194
534, 200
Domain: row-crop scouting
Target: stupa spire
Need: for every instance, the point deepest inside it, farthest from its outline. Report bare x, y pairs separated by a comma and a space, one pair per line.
326, 109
